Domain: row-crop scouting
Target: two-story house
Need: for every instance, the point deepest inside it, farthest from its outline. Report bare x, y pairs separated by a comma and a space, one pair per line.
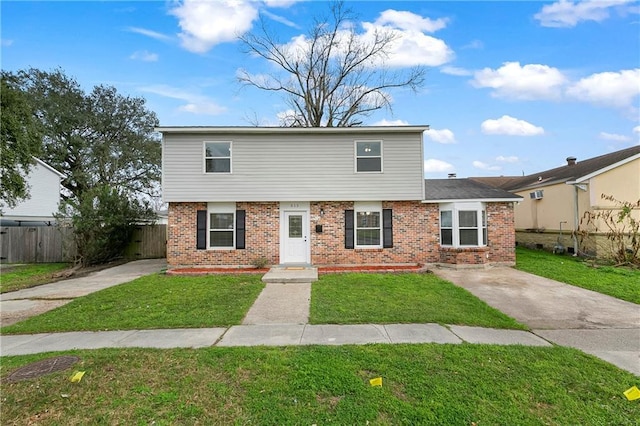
44, 198
322, 196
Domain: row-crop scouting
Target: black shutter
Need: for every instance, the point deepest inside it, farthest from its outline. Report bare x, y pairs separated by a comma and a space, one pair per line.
387, 228
348, 229
240, 229
201, 226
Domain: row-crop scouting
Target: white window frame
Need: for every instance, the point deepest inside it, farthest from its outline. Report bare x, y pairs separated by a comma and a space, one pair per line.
223, 208
366, 207
205, 158
481, 224
355, 156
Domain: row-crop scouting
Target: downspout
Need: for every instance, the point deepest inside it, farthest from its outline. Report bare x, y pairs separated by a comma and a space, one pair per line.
576, 219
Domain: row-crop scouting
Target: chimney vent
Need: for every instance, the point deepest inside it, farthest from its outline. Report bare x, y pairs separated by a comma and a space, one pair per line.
451, 175
571, 161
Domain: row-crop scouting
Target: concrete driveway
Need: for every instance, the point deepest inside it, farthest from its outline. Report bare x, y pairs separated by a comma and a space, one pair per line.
18, 305
595, 323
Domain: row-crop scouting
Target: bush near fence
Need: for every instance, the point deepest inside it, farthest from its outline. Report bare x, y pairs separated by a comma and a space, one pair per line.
48, 244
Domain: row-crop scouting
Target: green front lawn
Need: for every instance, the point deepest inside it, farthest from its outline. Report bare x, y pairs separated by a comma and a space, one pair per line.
399, 298
153, 301
422, 384
622, 283
25, 276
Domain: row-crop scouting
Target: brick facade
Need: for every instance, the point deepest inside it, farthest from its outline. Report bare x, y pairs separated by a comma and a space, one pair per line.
415, 237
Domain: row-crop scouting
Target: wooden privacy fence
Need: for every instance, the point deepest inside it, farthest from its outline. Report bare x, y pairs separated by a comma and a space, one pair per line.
43, 244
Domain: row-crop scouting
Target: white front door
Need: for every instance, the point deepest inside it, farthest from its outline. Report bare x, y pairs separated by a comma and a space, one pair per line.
295, 237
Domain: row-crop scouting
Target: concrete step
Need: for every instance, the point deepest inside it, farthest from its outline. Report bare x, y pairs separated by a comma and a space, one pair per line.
291, 274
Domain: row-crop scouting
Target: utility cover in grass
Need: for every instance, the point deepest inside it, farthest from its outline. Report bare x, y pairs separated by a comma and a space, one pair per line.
43, 367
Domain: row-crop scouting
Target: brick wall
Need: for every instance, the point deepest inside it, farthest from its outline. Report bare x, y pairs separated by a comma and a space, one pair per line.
415, 237
262, 237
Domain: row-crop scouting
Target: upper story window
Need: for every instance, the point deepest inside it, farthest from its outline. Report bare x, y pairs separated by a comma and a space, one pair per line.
368, 156
368, 223
463, 225
217, 157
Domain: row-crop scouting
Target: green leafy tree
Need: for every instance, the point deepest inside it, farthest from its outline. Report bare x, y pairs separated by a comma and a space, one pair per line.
20, 140
105, 144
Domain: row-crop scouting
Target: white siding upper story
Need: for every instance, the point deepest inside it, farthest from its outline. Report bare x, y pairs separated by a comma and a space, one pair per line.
293, 164
44, 190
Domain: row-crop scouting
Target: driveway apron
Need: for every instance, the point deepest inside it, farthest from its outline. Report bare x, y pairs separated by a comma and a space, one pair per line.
595, 323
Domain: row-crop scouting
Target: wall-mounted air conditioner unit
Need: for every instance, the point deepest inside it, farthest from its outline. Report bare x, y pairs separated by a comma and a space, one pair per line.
536, 195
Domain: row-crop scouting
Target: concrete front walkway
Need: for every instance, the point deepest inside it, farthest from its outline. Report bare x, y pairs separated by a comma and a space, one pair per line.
595, 323
265, 335
18, 305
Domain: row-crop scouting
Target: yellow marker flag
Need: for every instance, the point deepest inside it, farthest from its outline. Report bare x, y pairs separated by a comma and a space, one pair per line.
632, 393
77, 376
376, 382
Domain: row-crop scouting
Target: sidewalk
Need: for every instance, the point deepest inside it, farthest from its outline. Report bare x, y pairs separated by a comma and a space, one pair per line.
265, 335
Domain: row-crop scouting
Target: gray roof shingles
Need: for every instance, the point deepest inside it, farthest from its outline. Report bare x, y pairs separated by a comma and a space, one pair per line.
560, 174
464, 189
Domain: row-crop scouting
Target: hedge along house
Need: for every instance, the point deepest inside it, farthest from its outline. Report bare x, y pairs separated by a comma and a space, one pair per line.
321, 196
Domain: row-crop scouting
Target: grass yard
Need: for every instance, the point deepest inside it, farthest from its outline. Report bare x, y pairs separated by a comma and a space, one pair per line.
422, 384
399, 298
622, 283
31, 275
153, 301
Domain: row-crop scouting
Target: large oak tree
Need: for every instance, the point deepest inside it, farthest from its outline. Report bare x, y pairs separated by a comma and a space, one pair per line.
104, 143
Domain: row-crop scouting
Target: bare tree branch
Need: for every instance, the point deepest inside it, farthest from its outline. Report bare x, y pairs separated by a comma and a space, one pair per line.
333, 76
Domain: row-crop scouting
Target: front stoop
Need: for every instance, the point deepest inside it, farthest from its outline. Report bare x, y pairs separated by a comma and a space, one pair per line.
291, 274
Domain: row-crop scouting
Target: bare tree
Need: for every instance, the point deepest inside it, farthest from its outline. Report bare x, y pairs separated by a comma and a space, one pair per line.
332, 77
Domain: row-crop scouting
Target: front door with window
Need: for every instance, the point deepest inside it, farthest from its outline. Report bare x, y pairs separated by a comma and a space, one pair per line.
295, 241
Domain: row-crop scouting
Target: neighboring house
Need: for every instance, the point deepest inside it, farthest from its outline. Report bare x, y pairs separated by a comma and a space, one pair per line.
323, 196
44, 198
561, 196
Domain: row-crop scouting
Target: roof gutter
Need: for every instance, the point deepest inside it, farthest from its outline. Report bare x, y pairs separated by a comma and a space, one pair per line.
280, 130
484, 200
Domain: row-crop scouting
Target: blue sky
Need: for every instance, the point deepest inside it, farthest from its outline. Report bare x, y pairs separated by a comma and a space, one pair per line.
511, 88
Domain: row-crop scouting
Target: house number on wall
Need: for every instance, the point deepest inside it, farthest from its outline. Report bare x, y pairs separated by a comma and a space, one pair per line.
294, 205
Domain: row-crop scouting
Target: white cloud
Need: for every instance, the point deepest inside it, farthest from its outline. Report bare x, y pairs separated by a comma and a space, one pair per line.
195, 103
510, 159
568, 13
280, 19
149, 33
484, 166
444, 136
614, 89
410, 21
528, 82
6, 42
510, 126
455, 71
385, 122
143, 55
475, 44
205, 24
411, 47
613, 137
636, 129
279, 3
432, 165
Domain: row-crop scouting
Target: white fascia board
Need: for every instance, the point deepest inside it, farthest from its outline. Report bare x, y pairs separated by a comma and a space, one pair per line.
292, 130
604, 169
48, 167
467, 200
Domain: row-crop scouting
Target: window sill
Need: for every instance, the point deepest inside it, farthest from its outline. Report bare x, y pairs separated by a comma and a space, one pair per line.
369, 249
221, 249
463, 248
